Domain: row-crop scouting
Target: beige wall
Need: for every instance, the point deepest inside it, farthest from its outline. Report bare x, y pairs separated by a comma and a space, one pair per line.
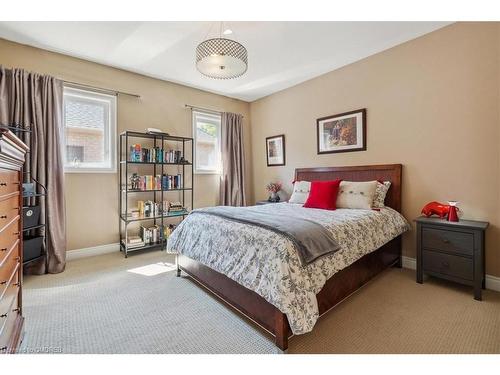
92, 199
432, 105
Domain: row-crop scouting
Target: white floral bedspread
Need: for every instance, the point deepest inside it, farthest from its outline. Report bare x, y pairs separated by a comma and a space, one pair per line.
267, 262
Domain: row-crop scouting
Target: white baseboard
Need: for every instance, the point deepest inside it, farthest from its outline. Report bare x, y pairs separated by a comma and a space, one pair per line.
492, 282
92, 251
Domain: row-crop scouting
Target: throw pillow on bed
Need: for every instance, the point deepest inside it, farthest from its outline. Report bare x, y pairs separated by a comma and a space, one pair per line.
380, 193
323, 195
356, 194
301, 191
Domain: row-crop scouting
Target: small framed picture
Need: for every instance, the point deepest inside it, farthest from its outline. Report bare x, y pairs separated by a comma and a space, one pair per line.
344, 132
275, 149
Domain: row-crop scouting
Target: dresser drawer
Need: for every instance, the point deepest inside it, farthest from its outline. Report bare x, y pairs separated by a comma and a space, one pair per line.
8, 237
9, 294
8, 325
449, 241
9, 209
8, 265
450, 265
9, 181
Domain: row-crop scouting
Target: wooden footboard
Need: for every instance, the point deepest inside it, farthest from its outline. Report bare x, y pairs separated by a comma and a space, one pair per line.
257, 309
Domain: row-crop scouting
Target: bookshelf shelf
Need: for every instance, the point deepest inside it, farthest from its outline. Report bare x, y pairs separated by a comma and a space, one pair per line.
153, 190
170, 214
134, 147
149, 246
151, 163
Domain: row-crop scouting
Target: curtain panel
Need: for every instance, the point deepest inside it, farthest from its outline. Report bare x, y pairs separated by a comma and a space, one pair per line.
35, 100
232, 186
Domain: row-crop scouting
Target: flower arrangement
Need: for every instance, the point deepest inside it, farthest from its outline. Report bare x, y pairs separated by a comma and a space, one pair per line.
273, 187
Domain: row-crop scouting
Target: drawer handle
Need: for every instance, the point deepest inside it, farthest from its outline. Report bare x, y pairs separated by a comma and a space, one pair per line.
3, 217
3, 249
3, 315
3, 184
3, 348
3, 282
17, 259
16, 233
17, 284
16, 310
446, 240
445, 264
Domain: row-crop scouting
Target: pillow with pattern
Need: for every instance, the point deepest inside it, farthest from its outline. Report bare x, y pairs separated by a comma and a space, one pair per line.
380, 193
356, 194
301, 190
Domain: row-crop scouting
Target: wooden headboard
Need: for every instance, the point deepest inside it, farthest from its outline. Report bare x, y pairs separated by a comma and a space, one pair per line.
388, 172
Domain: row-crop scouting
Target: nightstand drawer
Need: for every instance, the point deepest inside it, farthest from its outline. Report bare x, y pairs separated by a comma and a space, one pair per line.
446, 264
449, 241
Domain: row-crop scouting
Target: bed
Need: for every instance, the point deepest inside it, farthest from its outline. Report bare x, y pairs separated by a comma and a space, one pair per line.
256, 271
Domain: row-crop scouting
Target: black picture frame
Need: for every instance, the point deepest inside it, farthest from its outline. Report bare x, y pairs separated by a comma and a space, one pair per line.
283, 156
319, 133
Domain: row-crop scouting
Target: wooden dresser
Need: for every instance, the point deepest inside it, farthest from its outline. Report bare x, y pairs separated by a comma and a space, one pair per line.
12, 153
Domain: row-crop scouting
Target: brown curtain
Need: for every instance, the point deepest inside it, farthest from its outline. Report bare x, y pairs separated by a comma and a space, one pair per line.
34, 100
232, 187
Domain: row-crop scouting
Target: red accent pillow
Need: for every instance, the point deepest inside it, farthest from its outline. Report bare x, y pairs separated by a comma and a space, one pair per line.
323, 195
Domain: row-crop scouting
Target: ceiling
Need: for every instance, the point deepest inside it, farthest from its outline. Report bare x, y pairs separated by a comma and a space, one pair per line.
280, 54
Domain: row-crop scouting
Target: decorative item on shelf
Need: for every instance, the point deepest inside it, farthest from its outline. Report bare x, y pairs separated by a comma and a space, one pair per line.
342, 133
448, 211
168, 230
452, 213
273, 188
135, 180
275, 150
155, 131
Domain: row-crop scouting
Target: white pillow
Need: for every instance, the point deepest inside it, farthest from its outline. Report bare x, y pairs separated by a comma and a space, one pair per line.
380, 193
356, 194
301, 191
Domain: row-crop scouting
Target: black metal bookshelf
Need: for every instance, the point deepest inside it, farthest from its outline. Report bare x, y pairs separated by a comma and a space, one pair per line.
184, 193
40, 230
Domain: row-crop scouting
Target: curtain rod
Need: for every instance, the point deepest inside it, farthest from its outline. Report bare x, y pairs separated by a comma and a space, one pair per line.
204, 109
102, 89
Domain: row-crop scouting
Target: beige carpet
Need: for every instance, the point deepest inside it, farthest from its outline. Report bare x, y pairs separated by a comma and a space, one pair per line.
108, 304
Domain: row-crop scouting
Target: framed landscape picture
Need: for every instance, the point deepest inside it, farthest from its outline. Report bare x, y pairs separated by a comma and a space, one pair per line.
275, 149
344, 132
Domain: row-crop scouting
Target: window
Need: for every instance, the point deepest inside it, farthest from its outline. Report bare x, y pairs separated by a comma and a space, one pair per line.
90, 129
206, 134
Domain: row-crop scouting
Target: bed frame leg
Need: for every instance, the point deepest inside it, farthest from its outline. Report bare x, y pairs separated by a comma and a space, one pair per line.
281, 330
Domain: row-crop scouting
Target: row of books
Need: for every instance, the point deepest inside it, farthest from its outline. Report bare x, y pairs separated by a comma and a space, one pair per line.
158, 182
155, 209
150, 235
154, 155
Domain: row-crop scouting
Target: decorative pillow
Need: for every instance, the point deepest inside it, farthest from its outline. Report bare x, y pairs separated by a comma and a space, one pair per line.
380, 193
323, 195
356, 194
301, 191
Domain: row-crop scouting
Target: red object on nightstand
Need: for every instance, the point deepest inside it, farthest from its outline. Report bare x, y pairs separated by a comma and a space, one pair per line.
436, 208
452, 213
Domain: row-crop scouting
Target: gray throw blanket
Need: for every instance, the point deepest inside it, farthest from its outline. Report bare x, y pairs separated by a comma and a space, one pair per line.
311, 239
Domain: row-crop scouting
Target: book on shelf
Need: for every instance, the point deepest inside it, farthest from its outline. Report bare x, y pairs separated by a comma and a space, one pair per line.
137, 153
134, 241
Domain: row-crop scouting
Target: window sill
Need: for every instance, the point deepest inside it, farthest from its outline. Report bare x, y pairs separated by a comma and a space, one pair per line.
89, 170
207, 172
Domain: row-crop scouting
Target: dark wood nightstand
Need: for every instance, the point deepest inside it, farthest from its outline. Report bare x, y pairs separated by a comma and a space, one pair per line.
452, 251
258, 203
